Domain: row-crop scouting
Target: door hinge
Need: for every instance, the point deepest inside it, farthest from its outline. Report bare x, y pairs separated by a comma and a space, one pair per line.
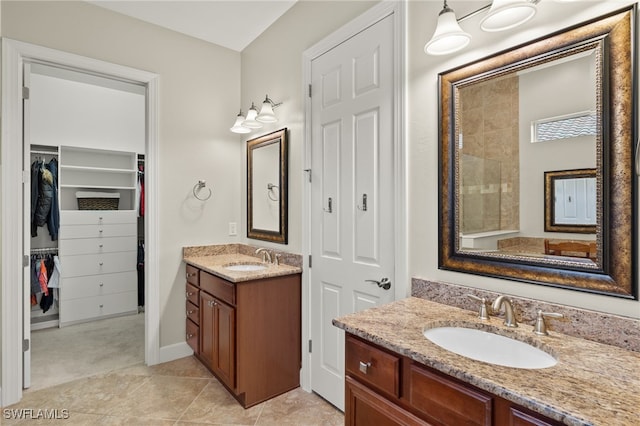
309, 90
25, 92
25, 260
25, 345
310, 348
309, 261
308, 173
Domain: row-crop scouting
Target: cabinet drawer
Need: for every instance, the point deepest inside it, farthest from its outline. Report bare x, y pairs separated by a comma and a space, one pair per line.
95, 307
69, 232
193, 312
193, 275
193, 294
193, 336
217, 287
373, 366
95, 264
446, 401
97, 285
98, 245
93, 217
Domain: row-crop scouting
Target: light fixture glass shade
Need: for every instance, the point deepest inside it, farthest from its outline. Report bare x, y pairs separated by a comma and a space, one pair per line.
448, 36
266, 113
507, 14
250, 121
238, 127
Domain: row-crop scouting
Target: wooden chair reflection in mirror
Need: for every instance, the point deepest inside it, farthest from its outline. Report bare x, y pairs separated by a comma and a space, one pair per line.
586, 249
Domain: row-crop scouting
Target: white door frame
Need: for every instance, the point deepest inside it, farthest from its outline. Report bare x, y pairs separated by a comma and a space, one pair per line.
401, 278
14, 54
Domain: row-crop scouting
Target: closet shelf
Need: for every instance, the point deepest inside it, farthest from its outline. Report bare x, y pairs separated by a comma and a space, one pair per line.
97, 187
97, 169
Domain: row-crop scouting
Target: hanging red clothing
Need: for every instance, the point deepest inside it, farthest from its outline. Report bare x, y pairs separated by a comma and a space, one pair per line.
42, 278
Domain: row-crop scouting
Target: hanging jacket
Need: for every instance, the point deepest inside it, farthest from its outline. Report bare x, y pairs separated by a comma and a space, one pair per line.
35, 185
45, 197
53, 219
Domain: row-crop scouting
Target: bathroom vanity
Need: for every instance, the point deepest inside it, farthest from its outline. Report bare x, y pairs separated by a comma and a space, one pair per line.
243, 323
395, 375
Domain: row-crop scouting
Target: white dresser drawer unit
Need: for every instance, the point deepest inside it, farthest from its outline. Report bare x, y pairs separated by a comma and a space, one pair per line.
97, 245
97, 231
77, 310
98, 285
95, 264
97, 217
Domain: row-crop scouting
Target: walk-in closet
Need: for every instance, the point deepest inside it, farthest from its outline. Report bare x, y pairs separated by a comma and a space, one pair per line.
84, 144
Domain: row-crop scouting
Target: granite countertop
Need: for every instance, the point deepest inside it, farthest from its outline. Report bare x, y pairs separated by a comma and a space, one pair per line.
215, 264
592, 383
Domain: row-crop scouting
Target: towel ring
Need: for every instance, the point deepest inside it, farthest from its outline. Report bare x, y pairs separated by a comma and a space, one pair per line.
270, 191
197, 187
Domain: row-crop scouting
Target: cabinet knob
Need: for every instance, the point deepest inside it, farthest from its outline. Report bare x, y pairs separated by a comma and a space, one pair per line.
100, 245
189, 294
189, 336
364, 367
100, 231
101, 284
101, 306
190, 311
100, 218
101, 263
192, 274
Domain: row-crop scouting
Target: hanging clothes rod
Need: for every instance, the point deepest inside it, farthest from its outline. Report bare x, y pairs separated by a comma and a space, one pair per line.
44, 250
34, 151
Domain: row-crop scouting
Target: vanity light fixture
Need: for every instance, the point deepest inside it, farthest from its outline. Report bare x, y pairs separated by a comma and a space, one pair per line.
503, 15
238, 127
448, 37
254, 119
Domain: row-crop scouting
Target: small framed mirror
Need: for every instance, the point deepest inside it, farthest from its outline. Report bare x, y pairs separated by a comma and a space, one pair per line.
570, 201
267, 203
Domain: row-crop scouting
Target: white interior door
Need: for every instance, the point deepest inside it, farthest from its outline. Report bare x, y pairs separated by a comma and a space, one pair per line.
352, 202
26, 233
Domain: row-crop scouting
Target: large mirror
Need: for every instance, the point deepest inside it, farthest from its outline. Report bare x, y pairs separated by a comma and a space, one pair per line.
508, 122
267, 187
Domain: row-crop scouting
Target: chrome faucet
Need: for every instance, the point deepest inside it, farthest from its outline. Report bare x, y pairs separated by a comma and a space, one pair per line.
266, 257
509, 317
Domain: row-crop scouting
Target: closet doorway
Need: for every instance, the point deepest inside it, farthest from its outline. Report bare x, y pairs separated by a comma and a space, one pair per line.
85, 206
81, 170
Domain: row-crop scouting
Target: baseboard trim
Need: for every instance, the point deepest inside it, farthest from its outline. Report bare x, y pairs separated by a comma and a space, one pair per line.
175, 351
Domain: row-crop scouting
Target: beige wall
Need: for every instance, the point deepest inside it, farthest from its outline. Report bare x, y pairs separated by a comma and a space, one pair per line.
199, 90
423, 139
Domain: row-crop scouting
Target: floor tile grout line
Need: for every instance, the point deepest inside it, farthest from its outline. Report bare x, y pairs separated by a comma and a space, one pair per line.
193, 401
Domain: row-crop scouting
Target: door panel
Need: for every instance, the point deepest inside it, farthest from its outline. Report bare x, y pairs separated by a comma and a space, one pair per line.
352, 163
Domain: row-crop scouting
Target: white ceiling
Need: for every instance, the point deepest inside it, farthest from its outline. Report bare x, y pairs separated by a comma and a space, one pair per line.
230, 23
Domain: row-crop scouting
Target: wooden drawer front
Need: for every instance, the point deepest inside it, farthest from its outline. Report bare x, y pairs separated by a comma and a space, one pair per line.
97, 285
217, 287
373, 366
94, 307
69, 232
91, 217
192, 294
517, 417
193, 312
98, 245
446, 401
193, 336
193, 275
94, 264
364, 407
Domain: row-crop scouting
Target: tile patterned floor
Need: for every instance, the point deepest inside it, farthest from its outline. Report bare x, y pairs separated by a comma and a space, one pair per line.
181, 392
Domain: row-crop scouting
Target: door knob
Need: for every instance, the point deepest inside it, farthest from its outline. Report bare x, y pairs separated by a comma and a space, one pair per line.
384, 283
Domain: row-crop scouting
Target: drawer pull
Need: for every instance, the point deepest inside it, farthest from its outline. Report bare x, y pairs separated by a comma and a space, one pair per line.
192, 274
100, 245
101, 284
189, 336
189, 294
190, 312
364, 367
100, 231
101, 306
101, 263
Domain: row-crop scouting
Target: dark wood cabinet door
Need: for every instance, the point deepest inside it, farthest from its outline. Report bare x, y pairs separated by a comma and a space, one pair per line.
364, 407
207, 329
224, 342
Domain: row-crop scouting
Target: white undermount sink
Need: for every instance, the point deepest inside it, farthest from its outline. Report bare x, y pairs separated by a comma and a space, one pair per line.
489, 347
246, 267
